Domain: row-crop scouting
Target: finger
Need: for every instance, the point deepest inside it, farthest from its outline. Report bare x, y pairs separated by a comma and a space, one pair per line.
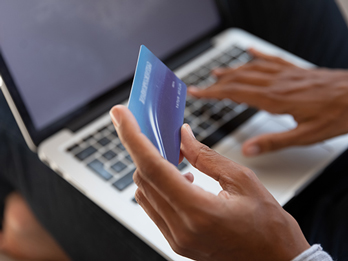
162, 175
189, 176
304, 134
255, 65
181, 157
229, 174
220, 71
266, 57
241, 93
248, 77
158, 203
156, 218
172, 220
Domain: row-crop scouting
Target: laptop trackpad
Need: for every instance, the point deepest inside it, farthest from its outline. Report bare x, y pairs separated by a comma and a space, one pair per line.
285, 171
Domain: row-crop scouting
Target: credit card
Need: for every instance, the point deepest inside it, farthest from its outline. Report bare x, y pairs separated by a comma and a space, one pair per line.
157, 101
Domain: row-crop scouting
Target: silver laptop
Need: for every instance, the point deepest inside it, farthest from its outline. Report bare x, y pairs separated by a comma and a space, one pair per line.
65, 64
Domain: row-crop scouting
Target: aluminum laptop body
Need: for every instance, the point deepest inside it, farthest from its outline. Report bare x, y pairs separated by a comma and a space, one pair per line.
72, 143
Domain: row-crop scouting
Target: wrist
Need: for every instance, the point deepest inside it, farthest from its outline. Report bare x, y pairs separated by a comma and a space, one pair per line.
314, 253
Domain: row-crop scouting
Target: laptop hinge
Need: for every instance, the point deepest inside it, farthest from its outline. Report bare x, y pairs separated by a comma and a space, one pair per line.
188, 54
102, 107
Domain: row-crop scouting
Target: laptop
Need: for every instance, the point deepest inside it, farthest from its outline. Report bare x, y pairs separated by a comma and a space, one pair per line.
65, 64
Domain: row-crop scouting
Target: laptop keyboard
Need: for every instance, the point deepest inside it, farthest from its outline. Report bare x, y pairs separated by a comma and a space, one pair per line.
104, 154
206, 116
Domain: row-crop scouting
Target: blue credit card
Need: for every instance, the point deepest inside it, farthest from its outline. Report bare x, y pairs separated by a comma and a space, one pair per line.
157, 101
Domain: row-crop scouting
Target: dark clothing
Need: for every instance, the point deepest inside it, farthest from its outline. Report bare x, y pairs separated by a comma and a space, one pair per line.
312, 29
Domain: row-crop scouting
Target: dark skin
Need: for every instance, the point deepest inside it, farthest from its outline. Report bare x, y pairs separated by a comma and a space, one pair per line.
316, 98
242, 222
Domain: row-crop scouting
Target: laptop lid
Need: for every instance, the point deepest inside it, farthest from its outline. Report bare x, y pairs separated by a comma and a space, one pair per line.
63, 60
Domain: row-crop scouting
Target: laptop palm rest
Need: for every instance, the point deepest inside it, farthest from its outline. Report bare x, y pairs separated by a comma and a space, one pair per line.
284, 173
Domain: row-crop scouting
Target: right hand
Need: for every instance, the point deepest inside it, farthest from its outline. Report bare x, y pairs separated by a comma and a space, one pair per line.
242, 222
316, 98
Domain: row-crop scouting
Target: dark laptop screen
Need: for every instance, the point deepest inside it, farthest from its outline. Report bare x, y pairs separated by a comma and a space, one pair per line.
62, 54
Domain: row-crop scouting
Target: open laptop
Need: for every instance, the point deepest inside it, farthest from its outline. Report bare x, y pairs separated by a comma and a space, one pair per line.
65, 64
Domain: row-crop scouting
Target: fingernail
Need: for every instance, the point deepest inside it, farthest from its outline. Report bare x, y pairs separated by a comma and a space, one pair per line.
188, 128
115, 116
193, 89
253, 150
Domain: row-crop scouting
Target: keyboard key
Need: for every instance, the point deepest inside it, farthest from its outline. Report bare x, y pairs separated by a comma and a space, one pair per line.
217, 116
109, 155
71, 148
204, 125
98, 167
104, 141
207, 106
129, 158
86, 153
235, 51
189, 102
121, 147
209, 81
118, 167
103, 129
182, 165
203, 72
192, 79
88, 139
195, 133
197, 113
224, 59
114, 133
125, 181
213, 65
245, 57
226, 110
188, 120
231, 104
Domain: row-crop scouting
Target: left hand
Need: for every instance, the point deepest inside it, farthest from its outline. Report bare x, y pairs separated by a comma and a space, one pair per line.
242, 222
316, 98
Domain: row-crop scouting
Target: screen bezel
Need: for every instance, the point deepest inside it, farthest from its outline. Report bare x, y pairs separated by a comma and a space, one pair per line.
103, 103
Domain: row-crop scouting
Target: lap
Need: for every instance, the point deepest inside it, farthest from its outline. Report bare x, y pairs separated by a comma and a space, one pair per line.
84, 230
322, 209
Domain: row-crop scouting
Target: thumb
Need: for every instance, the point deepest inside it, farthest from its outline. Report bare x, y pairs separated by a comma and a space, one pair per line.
232, 177
302, 135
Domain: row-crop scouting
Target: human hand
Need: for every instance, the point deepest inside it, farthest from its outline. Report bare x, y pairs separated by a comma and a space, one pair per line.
316, 98
242, 222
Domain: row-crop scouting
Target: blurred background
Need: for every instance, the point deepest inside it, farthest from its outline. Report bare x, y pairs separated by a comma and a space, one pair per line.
344, 5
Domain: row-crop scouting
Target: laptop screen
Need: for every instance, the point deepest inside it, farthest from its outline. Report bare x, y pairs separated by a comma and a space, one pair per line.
63, 54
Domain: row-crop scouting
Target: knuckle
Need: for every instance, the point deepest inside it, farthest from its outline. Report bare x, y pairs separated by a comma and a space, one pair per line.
257, 64
150, 168
274, 144
248, 172
178, 249
137, 179
139, 196
204, 154
247, 175
184, 241
201, 224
